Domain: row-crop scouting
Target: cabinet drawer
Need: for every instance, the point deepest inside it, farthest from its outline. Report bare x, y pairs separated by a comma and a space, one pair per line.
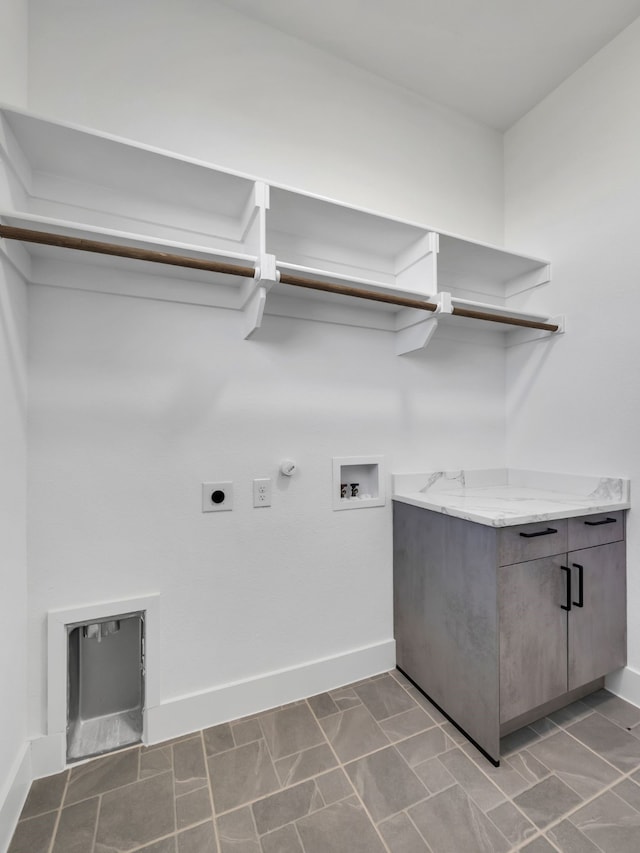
531, 541
589, 530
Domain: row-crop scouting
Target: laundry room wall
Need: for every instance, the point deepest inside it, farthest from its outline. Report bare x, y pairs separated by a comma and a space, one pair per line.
573, 192
14, 751
135, 402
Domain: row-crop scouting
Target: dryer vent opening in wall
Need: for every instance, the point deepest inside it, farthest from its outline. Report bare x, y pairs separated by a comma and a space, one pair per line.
105, 685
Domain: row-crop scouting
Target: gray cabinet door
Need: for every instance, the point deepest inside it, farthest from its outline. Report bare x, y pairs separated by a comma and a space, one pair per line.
597, 631
533, 635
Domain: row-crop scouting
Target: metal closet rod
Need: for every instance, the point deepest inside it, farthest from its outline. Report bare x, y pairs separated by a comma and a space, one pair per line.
46, 238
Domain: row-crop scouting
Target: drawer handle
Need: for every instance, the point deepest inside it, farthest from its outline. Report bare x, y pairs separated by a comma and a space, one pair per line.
603, 521
546, 532
567, 606
580, 601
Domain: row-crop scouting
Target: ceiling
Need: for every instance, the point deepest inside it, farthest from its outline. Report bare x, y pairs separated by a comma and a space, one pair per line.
492, 60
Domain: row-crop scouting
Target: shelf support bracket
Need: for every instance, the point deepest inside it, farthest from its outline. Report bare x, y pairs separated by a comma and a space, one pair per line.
265, 276
416, 337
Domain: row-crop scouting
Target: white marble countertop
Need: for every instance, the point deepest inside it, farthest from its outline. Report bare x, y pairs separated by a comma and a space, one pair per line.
508, 496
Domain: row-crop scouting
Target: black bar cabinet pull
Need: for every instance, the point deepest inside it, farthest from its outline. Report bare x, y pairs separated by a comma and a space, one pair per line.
567, 606
580, 601
546, 532
602, 521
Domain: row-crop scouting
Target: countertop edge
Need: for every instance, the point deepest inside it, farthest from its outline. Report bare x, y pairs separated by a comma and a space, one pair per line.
510, 521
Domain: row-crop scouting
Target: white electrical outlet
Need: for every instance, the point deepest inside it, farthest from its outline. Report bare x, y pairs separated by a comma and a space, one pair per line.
262, 492
217, 497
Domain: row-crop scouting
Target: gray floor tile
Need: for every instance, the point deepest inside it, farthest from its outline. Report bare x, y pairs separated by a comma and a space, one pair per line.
544, 726
246, 731
436, 715
455, 734
339, 828
527, 766
45, 795
608, 740
568, 839
515, 827
102, 774
137, 814
434, 775
334, 786
291, 730
193, 807
77, 826
218, 739
237, 832
286, 806
345, 698
189, 768
241, 775
34, 834
406, 724
506, 776
166, 845
426, 745
473, 781
322, 705
520, 739
401, 836
451, 823
570, 714
615, 709
402, 680
574, 764
384, 698
629, 792
303, 765
157, 799
353, 733
385, 783
612, 824
283, 840
538, 845
154, 761
199, 839
547, 801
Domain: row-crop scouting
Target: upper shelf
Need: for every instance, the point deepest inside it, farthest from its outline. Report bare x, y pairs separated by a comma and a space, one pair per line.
309, 234
66, 173
85, 184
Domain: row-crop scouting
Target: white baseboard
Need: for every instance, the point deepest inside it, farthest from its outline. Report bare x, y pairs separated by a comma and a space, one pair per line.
238, 699
13, 794
48, 755
625, 683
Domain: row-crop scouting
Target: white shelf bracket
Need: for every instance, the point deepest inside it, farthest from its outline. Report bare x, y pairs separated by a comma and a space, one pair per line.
265, 276
417, 336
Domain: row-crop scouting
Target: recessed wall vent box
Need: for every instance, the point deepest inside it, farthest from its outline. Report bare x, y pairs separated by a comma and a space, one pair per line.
358, 482
105, 685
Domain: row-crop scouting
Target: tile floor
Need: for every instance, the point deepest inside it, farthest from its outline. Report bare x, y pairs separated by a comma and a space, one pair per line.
369, 768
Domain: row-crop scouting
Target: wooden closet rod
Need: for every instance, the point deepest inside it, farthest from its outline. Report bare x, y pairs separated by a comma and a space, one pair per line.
45, 238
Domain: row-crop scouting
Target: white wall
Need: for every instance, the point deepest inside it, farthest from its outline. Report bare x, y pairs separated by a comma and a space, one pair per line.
13, 52
196, 77
135, 402
13, 543
573, 193
13, 462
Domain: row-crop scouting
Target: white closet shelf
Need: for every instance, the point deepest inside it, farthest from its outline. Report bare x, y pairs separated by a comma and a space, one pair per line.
86, 185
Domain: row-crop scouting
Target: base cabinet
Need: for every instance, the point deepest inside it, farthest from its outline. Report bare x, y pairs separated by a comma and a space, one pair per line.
496, 623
